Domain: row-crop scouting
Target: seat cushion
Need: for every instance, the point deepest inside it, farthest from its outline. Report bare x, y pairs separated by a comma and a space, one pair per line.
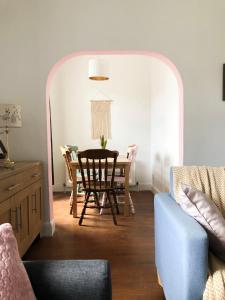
14, 281
70, 279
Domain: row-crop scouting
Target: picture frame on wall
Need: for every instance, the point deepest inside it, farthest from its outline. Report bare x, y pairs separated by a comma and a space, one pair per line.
3, 151
223, 82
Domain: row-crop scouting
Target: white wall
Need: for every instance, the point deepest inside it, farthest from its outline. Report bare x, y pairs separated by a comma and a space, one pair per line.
145, 111
129, 90
164, 120
34, 35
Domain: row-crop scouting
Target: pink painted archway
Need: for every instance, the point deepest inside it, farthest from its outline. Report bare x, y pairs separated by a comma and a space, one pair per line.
156, 55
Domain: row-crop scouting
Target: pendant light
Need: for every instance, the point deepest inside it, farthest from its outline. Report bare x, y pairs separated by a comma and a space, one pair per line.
98, 69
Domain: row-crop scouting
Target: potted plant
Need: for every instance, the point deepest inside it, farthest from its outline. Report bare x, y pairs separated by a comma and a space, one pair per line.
103, 141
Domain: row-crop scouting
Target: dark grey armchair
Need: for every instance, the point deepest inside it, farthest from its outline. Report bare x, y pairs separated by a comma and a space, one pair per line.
70, 279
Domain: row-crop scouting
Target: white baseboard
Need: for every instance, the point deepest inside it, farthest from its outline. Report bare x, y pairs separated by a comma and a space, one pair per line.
155, 190
48, 229
58, 188
147, 187
144, 187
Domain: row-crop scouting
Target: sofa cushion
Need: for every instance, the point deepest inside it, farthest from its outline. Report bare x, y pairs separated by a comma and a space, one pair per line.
70, 279
199, 206
14, 281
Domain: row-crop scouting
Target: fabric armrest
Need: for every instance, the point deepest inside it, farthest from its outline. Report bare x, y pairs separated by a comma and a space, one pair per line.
181, 250
70, 279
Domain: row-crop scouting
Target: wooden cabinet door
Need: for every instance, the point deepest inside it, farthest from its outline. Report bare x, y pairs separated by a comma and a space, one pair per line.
21, 201
21, 207
9, 214
36, 216
6, 213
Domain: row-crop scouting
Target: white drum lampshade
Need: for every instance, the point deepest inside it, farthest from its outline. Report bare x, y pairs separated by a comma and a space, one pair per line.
98, 70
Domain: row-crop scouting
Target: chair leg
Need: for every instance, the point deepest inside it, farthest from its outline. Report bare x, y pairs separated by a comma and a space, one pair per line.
97, 201
78, 188
103, 203
87, 195
71, 197
71, 209
131, 205
111, 206
116, 203
71, 202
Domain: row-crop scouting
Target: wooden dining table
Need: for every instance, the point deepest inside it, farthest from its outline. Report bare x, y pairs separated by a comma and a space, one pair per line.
122, 163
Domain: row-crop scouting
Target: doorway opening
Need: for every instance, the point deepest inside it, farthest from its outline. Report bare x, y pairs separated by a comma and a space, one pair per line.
147, 106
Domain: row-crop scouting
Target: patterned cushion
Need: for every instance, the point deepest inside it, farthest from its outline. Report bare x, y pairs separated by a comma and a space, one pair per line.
14, 281
199, 206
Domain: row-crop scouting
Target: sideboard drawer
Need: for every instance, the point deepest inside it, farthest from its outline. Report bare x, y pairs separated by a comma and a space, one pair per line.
10, 186
32, 175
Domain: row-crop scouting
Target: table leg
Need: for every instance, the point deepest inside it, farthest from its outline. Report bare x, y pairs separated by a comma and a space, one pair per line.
74, 204
126, 204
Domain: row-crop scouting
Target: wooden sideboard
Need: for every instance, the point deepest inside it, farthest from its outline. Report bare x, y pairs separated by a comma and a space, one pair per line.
21, 201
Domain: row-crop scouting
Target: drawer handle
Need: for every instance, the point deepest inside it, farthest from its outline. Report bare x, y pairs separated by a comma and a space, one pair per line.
36, 175
16, 219
19, 216
13, 187
35, 203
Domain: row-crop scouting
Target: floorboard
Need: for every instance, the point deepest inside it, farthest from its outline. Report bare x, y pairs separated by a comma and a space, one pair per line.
129, 246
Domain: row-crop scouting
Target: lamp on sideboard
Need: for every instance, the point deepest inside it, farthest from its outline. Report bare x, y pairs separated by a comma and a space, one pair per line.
10, 117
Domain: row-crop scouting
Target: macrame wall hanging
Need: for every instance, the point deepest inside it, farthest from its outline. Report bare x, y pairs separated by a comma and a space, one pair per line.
101, 118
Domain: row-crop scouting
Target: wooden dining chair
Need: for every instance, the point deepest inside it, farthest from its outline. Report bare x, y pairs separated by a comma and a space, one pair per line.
97, 167
120, 179
67, 154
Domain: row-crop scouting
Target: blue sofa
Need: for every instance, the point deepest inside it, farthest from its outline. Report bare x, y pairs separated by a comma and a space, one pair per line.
181, 250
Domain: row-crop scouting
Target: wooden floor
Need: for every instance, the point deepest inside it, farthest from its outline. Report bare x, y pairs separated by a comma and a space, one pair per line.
129, 246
